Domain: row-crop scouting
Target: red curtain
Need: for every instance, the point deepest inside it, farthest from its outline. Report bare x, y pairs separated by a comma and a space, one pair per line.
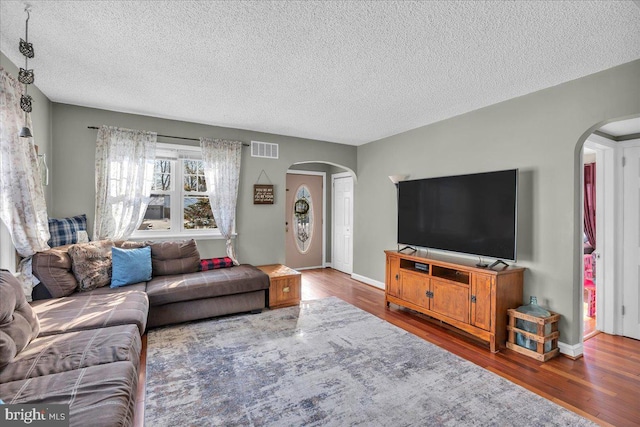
590, 203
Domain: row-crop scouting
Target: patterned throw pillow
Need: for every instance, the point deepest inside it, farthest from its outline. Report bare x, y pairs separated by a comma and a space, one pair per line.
91, 264
65, 231
213, 263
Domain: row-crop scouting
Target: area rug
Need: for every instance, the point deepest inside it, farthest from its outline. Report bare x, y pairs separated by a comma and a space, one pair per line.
325, 363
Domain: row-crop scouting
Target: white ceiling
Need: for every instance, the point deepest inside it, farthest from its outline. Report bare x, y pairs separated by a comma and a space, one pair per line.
622, 127
347, 72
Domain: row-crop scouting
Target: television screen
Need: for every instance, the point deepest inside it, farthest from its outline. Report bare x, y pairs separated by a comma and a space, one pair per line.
474, 214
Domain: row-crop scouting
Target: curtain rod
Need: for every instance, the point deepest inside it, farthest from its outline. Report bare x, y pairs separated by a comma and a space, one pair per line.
169, 136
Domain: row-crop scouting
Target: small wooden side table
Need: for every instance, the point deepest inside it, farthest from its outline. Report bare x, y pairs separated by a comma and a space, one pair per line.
285, 285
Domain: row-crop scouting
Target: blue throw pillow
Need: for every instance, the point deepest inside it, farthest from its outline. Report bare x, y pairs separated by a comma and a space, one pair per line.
130, 266
65, 231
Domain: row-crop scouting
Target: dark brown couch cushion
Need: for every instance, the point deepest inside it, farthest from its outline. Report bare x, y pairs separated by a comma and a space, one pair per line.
74, 350
206, 284
178, 257
18, 323
80, 312
53, 268
102, 395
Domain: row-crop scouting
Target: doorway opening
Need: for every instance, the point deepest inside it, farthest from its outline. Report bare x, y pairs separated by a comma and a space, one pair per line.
610, 196
589, 254
319, 224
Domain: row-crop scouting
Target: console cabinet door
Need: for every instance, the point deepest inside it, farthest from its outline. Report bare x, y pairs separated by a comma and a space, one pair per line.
393, 276
414, 288
450, 299
482, 286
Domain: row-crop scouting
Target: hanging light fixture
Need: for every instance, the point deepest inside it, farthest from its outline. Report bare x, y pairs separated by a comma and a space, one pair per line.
26, 76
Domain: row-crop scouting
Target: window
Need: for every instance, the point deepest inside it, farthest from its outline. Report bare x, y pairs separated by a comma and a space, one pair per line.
179, 204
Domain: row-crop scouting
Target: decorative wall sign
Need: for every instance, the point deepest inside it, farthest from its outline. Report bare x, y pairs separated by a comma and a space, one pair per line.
263, 194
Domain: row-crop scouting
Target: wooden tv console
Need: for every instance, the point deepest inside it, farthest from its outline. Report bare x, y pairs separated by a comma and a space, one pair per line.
471, 298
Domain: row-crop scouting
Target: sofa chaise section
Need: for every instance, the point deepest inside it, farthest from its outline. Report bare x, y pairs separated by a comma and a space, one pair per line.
183, 297
102, 395
53, 354
91, 311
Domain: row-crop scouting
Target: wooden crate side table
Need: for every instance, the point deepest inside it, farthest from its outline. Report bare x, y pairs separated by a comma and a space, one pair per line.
539, 336
284, 285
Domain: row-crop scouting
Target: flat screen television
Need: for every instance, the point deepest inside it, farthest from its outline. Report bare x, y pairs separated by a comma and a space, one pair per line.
474, 214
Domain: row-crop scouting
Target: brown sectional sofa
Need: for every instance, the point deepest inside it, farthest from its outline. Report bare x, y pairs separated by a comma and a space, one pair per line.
94, 369
83, 348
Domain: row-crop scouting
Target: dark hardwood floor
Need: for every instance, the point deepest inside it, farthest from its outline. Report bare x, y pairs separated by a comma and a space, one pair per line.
603, 386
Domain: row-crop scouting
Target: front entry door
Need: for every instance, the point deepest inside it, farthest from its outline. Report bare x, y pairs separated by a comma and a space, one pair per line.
631, 242
304, 221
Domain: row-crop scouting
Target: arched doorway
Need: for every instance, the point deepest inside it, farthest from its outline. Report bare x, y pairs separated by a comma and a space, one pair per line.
610, 299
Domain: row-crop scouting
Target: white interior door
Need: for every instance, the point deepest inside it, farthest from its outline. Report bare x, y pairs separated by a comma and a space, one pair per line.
631, 243
342, 239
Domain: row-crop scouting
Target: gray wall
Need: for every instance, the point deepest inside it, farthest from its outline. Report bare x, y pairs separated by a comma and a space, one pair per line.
541, 134
260, 228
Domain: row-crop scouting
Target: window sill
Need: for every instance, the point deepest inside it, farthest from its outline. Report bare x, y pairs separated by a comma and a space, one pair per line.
178, 236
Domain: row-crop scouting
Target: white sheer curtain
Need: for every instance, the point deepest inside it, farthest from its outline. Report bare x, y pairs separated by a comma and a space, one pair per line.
124, 177
22, 205
221, 160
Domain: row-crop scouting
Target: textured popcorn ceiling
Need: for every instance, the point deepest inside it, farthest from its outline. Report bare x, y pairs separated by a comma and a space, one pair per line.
348, 72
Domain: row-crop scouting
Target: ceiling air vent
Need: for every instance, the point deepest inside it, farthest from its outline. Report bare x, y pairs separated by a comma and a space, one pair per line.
264, 149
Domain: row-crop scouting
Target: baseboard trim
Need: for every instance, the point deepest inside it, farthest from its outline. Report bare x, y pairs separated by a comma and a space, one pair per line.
367, 280
327, 265
571, 351
308, 268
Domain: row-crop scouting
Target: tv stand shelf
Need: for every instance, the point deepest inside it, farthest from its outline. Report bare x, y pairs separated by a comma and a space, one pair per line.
471, 298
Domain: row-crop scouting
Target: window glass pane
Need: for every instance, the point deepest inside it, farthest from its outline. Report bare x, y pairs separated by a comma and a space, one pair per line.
162, 175
193, 174
202, 184
162, 182
158, 214
162, 166
190, 183
197, 213
191, 166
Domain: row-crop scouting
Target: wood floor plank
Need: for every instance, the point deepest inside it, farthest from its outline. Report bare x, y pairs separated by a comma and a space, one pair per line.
579, 380
603, 386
